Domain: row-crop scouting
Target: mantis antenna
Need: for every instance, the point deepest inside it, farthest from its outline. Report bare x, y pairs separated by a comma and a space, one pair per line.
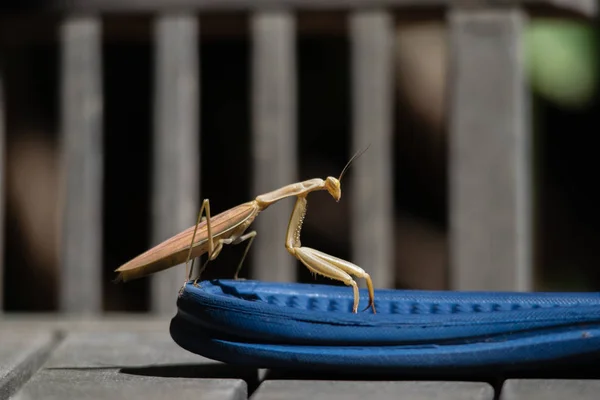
354, 157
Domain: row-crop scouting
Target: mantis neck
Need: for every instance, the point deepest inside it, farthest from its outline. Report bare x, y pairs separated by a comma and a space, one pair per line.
294, 189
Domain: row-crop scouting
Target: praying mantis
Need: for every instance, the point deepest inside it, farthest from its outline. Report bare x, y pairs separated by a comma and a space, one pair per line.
211, 233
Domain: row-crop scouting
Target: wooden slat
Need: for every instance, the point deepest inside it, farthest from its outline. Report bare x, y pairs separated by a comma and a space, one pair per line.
274, 138
583, 7
550, 389
22, 353
2, 189
490, 197
176, 163
82, 151
372, 180
131, 364
380, 390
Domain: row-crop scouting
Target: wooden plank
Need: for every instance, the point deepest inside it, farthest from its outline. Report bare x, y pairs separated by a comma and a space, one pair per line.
129, 364
490, 156
22, 353
274, 139
583, 7
372, 36
380, 390
550, 389
112, 322
2, 189
176, 172
82, 152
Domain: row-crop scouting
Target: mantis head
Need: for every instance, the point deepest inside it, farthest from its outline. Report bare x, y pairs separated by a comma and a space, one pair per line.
334, 185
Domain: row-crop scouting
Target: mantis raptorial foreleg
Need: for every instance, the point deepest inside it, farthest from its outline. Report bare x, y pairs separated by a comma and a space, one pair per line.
322, 263
338, 269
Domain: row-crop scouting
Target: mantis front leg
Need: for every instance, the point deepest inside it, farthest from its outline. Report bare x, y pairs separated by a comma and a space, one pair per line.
322, 263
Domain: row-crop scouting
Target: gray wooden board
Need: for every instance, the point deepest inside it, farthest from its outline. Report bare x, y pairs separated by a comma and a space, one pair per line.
490, 156
372, 34
550, 389
82, 152
382, 390
22, 352
274, 138
108, 322
586, 7
176, 163
109, 384
130, 364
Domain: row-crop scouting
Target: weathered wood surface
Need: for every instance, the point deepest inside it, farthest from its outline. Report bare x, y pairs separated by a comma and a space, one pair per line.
584, 7
274, 139
542, 389
132, 363
176, 148
372, 37
490, 154
83, 164
22, 353
381, 390
133, 357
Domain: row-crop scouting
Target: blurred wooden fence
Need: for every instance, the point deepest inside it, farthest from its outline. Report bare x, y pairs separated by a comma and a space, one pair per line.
489, 185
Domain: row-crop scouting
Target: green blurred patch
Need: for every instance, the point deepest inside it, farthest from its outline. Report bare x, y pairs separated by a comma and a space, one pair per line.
562, 60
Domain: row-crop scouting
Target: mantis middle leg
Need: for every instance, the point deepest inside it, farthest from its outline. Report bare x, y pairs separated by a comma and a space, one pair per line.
322, 263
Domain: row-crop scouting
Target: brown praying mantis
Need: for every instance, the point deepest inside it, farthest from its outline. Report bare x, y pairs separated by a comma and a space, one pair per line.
210, 234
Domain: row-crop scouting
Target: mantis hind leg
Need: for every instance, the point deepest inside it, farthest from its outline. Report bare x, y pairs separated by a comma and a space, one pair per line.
211, 256
205, 207
219, 246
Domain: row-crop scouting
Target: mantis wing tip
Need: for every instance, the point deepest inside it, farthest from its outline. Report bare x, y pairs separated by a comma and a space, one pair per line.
118, 279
